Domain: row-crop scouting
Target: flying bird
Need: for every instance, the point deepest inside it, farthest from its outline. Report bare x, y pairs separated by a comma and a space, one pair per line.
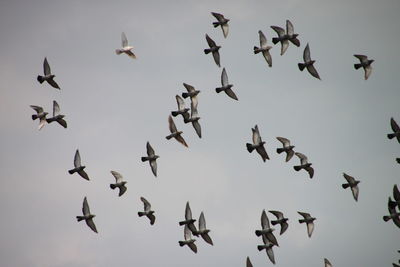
57, 116
327, 263
188, 240
48, 77
365, 63
266, 229
189, 221
213, 49
353, 184
308, 63
118, 183
280, 219
268, 248
264, 48
292, 37
258, 144
226, 87
222, 21
182, 110
393, 214
194, 119
203, 231
87, 216
396, 130
304, 164
282, 38
248, 262
78, 166
151, 157
127, 49
309, 221
286, 148
147, 211
40, 114
174, 132
192, 93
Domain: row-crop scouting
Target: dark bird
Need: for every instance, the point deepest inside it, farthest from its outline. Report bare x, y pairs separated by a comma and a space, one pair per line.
365, 63
87, 216
189, 241
395, 128
266, 229
127, 49
57, 116
327, 263
203, 231
248, 262
309, 221
258, 144
222, 21
182, 110
40, 114
308, 63
118, 183
226, 87
189, 221
292, 37
78, 166
151, 157
304, 164
398, 160
287, 148
353, 184
48, 77
268, 248
393, 214
192, 93
396, 196
280, 219
264, 48
147, 211
282, 38
175, 133
194, 119
213, 49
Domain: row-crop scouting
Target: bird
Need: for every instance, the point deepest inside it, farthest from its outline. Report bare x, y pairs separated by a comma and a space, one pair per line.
194, 119
396, 130
226, 87
48, 77
282, 38
286, 148
147, 211
203, 231
41, 115
308, 63
57, 115
304, 164
248, 262
395, 265
292, 37
127, 49
213, 49
327, 263
174, 132
353, 184
258, 144
266, 229
78, 166
264, 48
87, 216
118, 183
151, 157
396, 196
222, 21
365, 63
280, 219
192, 93
268, 248
182, 110
189, 241
309, 221
393, 214
189, 221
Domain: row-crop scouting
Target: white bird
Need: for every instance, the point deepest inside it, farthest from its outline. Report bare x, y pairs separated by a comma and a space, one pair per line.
127, 49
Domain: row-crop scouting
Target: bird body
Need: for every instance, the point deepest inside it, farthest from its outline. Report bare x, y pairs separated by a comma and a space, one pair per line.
182, 110
189, 221
287, 148
280, 219
203, 231
396, 130
189, 241
264, 48
175, 133
266, 229
40, 114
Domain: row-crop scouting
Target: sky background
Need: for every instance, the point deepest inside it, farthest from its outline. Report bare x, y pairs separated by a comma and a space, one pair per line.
114, 105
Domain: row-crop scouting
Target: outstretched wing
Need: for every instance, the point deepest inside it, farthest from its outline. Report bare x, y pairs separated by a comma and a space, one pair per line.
118, 176
224, 78
264, 220
56, 109
124, 40
188, 212
289, 28
46, 67
210, 41
285, 142
150, 150
85, 207
171, 124
302, 157
306, 54
180, 102
147, 205
77, 159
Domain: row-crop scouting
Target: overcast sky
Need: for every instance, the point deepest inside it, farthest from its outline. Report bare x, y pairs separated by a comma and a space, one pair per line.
114, 105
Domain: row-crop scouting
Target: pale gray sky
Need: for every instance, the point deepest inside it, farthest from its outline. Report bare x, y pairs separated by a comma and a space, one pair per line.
114, 104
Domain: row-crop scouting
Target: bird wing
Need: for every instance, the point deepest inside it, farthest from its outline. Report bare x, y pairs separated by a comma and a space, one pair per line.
349, 178
289, 28
396, 193
193, 109
267, 57
53, 83
210, 41
231, 94
218, 16
122, 190
306, 54
83, 174
302, 157
171, 124
224, 78
270, 254
147, 205
279, 31
150, 150
313, 71
278, 214
284, 227
38, 109
207, 238
152, 218
285, 142
263, 39
202, 222
188, 212
46, 67
289, 155
77, 159
264, 220
85, 207
42, 123
327, 263
91, 225
393, 124
310, 228
124, 40
248, 262
285, 45
304, 214
310, 171
131, 54
256, 135
189, 87
197, 128
62, 122
118, 176
216, 58
225, 29
355, 190
153, 165
180, 102
362, 58
193, 247
181, 140
262, 152
56, 108
187, 233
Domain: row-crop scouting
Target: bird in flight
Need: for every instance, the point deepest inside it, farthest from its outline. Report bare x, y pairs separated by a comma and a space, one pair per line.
264, 48
353, 184
304, 164
308, 63
174, 132
78, 166
151, 158
57, 116
118, 183
286, 148
147, 211
365, 63
258, 144
48, 77
226, 87
127, 49
309, 221
213, 49
87, 216
40, 114
221, 21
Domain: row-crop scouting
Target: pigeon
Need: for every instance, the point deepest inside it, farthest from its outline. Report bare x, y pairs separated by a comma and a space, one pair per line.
213, 49
222, 21
57, 116
78, 166
396, 196
266, 229
226, 87
280, 219
248, 262
309, 221
308, 63
41, 115
258, 144
151, 157
174, 132
304, 164
192, 93
188, 240
47, 75
282, 38
194, 119
286, 148
292, 37
87, 216
189, 221
327, 263
264, 48
395, 129
147, 211
181, 108
353, 184
393, 214
365, 63
203, 231
127, 49
118, 183
268, 248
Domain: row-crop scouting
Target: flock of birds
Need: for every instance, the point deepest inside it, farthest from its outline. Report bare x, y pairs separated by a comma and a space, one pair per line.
266, 232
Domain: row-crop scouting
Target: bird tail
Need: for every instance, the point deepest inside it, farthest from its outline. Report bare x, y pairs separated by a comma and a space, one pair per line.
357, 66
398, 160
256, 50
258, 233
113, 186
386, 218
118, 51
71, 171
143, 159
182, 223
34, 117
249, 147
185, 95
274, 222
207, 51
345, 186
297, 168
174, 113
80, 218
260, 247
168, 137
279, 150
140, 214
181, 243
302, 221
301, 66
275, 40
218, 90
391, 136
40, 79
215, 24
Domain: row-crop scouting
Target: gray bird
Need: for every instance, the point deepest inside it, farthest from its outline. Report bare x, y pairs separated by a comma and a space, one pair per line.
396, 130
182, 110
393, 214
396, 196
203, 231
282, 38
226, 87
280, 219
258, 144
268, 248
264, 48
78, 166
353, 184
48, 77
304, 164
365, 63
192, 93
292, 37
308, 63
222, 21
287, 148
151, 157
248, 262
40, 114
189, 241
118, 183
266, 229
127, 49
147, 211
194, 119
175, 133
189, 221
57, 116
309, 221
213, 49
87, 216
327, 263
